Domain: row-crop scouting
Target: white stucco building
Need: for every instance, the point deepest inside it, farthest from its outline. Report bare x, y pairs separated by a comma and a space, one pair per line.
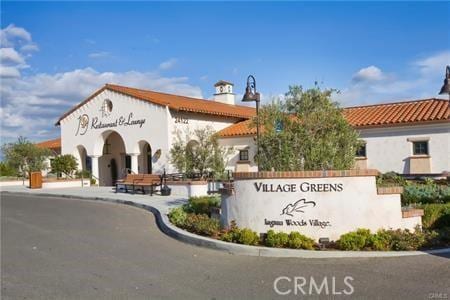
411, 137
119, 128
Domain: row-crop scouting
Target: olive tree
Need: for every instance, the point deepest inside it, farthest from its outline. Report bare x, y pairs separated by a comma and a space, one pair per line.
198, 151
64, 164
24, 156
306, 131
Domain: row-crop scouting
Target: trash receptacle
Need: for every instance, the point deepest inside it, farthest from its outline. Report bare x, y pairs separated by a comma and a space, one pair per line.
165, 190
35, 180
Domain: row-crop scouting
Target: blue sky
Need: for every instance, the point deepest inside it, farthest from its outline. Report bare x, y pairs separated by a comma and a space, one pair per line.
56, 53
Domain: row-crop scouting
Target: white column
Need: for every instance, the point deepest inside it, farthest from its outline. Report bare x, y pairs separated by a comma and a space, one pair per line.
95, 170
134, 163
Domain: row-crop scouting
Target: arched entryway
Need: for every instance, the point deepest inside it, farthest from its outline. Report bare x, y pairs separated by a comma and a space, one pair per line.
83, 160
112, 163
145, 159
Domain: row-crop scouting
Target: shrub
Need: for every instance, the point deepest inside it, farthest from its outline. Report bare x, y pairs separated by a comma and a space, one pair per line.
398, 240
299, 241
227, 237
248, 237
7, 170
381, 241
66, 164
242, 236
83, 174
426, 193
442, 236
402, 240
201, 224
231, 235
436, 216
178, 216
355, 240
201, 204
390, 178
276, 239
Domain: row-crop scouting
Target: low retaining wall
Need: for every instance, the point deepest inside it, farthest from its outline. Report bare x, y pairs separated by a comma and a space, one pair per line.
317, 204
51, 183
55, 184
13, 183
188, 188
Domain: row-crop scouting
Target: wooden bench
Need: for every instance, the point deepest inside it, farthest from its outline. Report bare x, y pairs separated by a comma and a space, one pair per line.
129, 181
148, 180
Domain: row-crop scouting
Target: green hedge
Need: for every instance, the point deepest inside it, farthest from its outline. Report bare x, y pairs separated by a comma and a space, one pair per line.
240, 235
178, 216
196, 223
7, 171
294, 240
384, 240
436, 216
202, 204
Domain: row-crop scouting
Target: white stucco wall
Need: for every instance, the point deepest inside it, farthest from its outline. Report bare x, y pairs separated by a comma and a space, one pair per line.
388, 148
239, 143
355, 205
154, 130
185, 123
158, 130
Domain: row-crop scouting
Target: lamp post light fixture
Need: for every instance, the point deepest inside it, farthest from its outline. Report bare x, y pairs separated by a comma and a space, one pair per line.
446, 87
252, 95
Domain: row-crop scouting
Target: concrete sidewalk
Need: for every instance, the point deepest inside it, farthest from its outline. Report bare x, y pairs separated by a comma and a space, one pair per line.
161, 203
160, 206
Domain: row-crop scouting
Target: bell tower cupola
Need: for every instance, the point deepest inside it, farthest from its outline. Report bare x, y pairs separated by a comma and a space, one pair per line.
224, 92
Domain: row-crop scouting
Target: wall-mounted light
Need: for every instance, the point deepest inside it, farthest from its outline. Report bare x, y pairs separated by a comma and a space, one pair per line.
157, 154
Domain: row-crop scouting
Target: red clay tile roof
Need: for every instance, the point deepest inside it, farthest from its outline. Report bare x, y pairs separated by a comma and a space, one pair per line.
379, 115
222, 82
50, 144
175, 102
238, 129
427, 110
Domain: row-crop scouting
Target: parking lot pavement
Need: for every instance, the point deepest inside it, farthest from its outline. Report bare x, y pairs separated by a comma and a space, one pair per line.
55, 248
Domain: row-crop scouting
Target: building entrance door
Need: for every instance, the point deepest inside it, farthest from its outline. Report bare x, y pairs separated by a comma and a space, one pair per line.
148, 152
113, 171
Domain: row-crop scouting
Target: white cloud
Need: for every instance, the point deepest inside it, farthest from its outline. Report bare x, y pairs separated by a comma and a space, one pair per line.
9, 56
168, 64
101, 54
32, 104
16, 43
12, 35
29, 48
370, 73
434, 64
9, 72
373, 85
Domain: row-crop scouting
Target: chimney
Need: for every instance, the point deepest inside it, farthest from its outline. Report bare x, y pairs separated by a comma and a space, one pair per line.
224, 92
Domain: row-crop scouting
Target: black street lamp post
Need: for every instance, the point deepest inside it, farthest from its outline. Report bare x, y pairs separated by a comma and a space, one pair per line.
252, 95
446, 87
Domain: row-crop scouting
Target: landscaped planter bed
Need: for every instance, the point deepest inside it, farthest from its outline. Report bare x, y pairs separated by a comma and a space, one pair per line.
194, 217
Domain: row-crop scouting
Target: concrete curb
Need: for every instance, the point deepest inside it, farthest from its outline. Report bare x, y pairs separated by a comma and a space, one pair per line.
238, 249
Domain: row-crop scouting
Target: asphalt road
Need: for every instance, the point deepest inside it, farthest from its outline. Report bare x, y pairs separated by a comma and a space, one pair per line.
55, 248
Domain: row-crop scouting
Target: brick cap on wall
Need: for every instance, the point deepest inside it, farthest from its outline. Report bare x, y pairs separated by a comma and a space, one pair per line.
305, 174
386, 190
414, 212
